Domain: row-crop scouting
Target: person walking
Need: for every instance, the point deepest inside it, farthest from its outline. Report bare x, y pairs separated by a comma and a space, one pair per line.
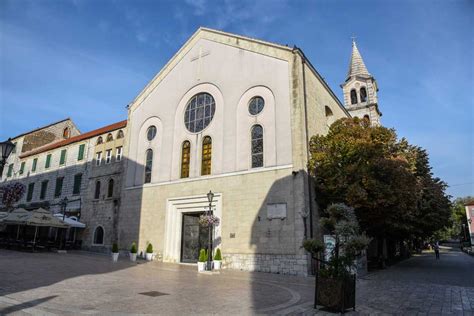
436, 249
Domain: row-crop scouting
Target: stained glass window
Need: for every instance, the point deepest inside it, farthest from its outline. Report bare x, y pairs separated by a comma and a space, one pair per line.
185, 159
148, 165
257, 146
199, 112
206, 156
256, 105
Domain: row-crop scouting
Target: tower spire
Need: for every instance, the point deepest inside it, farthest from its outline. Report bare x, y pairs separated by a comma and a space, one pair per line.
356, 65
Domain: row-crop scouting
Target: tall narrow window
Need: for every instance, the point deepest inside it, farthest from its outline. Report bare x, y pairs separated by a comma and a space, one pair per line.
185, 159
363, 94
66, 133
33, 167
62, 159
98, 158
47, 164
97, 190
206, 156
59, 187
10, 170
76, 189
31, 189
257, 146
108, 156
148, 165
44, 188
22, 167
80, 154
353, 96
118, 153
110, 188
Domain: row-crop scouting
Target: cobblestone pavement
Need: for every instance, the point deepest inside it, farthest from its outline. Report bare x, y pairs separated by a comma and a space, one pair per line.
83, 283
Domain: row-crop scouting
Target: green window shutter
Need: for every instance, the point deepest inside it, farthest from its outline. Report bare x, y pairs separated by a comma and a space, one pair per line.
77, 184
59, 187
44, 188
33, 168
31, 188
80, 156
22, 167
48, 161
10, 170
62, 160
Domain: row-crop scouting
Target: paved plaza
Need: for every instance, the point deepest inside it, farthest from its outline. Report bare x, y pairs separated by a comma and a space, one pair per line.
84, 283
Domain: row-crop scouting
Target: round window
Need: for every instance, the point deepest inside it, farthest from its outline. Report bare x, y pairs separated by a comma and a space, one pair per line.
199, 112
256, 105
151, 132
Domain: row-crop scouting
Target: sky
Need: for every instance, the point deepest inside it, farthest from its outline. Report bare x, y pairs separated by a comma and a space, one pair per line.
88, 59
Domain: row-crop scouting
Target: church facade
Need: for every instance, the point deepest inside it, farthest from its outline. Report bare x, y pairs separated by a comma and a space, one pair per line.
231, 115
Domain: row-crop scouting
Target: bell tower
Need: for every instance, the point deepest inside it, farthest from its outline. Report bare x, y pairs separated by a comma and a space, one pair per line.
360, 90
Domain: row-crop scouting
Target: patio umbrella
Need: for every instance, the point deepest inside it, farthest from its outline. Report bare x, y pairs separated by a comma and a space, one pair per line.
16, 217
42, 217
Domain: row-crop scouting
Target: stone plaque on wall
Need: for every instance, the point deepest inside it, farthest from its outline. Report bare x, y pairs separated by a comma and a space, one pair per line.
276, 211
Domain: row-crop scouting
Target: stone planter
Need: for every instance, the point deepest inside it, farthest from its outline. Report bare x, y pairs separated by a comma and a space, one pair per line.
336, 294
133, 257
149, 256
202, 266
217, 264
115, 256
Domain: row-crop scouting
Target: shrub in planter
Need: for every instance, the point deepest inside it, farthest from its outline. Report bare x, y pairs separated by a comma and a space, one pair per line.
115, 252
149, 252
133, 252
202, 260
217, 259
335, 281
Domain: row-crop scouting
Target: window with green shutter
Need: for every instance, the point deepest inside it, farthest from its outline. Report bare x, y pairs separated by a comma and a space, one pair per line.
80, 155
22, 167
10, 170
33, 167
31, 188
77, 184
62, 160
59, 187
48, 161
44, 188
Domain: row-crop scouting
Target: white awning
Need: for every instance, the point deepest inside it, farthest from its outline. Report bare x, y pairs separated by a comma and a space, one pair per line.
71, 221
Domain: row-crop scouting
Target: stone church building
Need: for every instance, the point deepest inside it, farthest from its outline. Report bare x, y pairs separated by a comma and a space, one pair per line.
233, 115
227, 114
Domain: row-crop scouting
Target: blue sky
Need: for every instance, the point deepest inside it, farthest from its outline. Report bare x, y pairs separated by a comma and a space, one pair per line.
88, 59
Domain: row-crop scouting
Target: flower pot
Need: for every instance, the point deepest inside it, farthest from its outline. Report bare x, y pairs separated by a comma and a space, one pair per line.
201, 266
149, 256
133, 257
336, 294
217, 264
115, 256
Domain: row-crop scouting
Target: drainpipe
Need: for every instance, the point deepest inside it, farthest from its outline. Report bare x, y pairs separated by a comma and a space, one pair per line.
310, 195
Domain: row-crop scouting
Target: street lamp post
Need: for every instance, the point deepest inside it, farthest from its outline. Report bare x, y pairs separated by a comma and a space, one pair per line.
63, 204
210, 196
6, 148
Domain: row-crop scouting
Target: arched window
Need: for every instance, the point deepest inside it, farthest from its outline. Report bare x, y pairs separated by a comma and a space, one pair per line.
256, 105
185, 159
148, 165
99, 140
257, 146
99, 235
110, 137
353, 96
328, 111
97, 190
206, 156
119, 134
151, 132
110, 188
66, 133
363, 94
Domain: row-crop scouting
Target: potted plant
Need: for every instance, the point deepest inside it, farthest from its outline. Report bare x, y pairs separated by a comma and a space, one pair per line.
149, 252
335, 280
133, 252
202, 260
217, 259
115, 252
